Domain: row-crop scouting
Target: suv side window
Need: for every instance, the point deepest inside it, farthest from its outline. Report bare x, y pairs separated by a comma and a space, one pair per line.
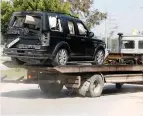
81, 28
55, 24
71, 27
140, 43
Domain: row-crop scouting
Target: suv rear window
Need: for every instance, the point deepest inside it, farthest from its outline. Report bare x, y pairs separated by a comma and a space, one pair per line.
29, 21
18, 21
71, 27
140, 43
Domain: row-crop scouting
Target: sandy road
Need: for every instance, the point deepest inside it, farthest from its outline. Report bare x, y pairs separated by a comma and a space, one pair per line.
22, 99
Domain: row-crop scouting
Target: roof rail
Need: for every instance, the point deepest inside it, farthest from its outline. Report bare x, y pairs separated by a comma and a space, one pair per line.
52, 12
64, 14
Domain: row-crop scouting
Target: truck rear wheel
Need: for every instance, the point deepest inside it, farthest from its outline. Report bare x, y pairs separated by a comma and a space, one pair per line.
96, 86
51, 88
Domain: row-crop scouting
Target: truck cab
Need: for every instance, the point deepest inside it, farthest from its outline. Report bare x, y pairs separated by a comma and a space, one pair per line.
131, 44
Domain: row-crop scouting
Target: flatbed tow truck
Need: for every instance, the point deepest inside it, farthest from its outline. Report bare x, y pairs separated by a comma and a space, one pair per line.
86, 80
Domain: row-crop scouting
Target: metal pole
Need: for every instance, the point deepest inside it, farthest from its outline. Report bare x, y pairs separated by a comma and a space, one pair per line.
106, 40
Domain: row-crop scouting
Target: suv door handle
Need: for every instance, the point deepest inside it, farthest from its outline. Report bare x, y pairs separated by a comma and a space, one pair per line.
82, 39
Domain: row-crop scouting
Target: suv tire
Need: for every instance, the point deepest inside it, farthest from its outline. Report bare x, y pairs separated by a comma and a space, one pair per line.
99, 57
61, 57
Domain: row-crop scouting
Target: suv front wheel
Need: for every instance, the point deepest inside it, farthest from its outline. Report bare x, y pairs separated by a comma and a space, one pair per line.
99, 57
60, 58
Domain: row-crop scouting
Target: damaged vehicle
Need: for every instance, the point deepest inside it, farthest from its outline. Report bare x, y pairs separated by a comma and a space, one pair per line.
51, 38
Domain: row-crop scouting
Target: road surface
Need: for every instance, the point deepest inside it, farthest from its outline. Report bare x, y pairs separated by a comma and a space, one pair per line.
22, 99
27, 100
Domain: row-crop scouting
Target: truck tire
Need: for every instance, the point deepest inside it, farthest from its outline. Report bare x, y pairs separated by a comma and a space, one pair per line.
61, 58
16, 61
119, 85
52, 88
96, 86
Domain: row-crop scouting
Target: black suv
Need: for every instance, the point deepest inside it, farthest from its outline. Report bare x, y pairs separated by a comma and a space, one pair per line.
51, 37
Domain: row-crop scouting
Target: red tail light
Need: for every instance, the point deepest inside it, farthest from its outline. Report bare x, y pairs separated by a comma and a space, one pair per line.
29, 76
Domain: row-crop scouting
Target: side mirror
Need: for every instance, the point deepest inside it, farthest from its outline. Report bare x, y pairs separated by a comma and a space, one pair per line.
91, 34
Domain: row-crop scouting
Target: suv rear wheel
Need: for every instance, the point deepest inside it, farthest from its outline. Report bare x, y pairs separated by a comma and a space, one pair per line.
61, 58
99, 57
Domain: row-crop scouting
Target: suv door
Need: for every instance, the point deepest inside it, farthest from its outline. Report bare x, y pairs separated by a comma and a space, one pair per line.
87, 43
73, 40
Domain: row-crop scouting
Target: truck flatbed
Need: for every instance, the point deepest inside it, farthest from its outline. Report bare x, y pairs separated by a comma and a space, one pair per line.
90, 68
82, 79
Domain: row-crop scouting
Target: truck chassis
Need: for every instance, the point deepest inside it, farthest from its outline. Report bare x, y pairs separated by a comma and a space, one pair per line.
86, 80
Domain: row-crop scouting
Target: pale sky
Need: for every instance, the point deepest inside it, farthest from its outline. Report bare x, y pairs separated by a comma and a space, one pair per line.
126, 14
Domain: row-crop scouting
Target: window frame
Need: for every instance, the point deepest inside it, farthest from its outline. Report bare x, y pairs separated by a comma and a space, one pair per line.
128, 41
84, 28
58, 19
139, 43
13, 18
73, 27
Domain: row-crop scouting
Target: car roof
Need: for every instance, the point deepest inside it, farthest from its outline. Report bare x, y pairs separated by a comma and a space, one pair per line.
39, 13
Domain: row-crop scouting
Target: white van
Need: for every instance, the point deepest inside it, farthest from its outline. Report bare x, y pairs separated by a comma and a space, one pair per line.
132, 44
